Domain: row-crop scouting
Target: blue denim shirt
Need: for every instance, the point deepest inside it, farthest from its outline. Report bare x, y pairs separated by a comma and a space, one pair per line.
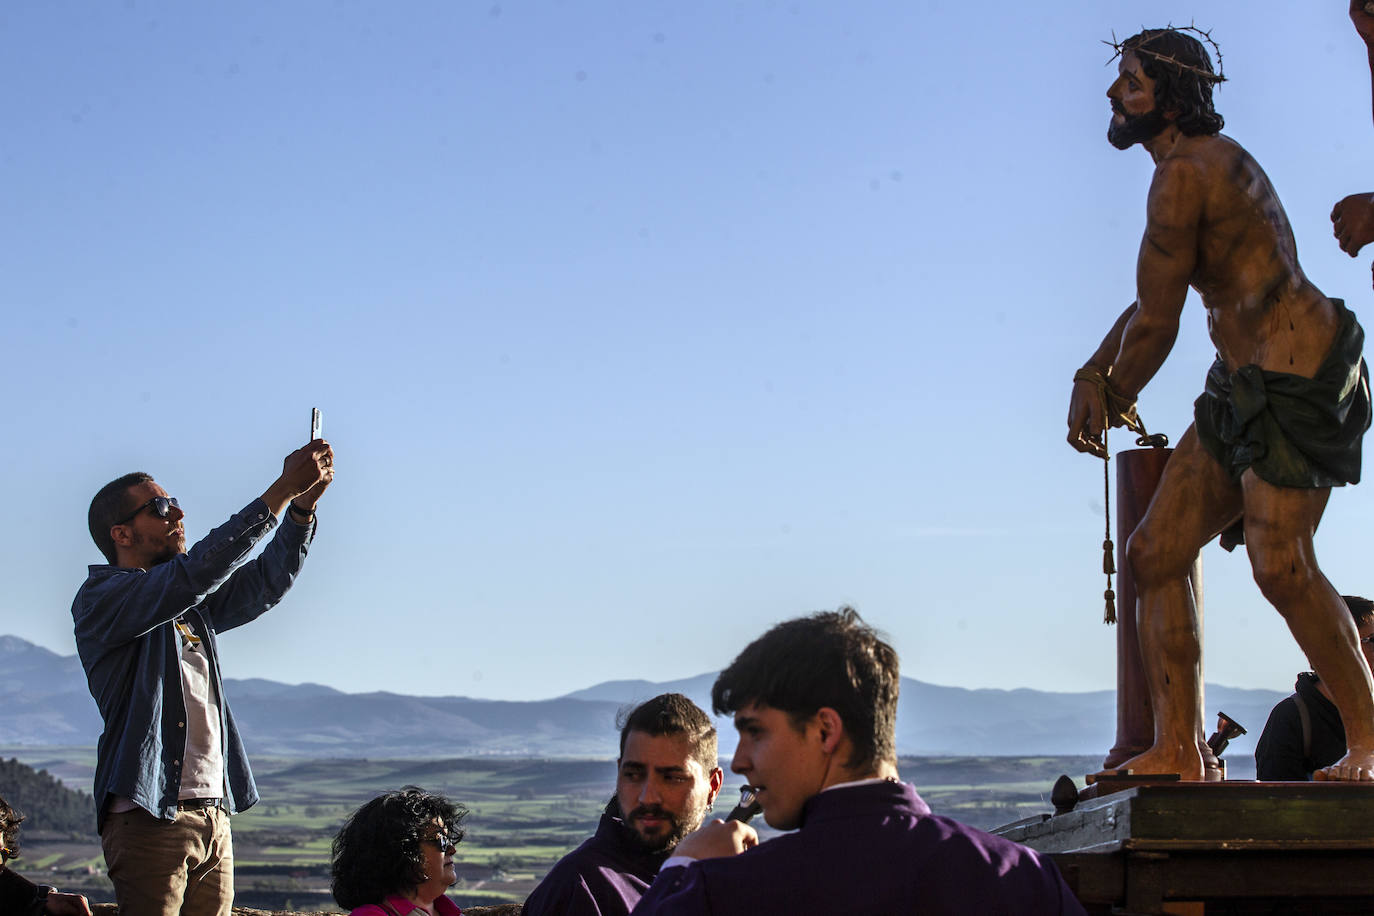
128, 646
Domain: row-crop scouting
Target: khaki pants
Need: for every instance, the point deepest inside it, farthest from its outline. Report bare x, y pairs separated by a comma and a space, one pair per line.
166, 868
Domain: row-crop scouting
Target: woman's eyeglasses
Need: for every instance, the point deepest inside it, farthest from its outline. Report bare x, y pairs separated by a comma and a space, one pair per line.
161, 506
443, 842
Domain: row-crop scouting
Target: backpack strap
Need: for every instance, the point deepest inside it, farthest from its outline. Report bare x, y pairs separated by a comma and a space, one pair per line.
1306, 719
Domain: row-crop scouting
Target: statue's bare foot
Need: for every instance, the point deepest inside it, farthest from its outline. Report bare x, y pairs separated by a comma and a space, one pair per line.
1353, 767
1157, 761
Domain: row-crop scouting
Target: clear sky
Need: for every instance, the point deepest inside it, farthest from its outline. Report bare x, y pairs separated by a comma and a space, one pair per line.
637, 326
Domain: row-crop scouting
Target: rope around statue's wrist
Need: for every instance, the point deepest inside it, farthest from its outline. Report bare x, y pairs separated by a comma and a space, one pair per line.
1117, 409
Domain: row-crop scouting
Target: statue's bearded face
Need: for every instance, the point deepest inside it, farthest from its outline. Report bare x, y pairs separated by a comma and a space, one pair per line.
1135, 117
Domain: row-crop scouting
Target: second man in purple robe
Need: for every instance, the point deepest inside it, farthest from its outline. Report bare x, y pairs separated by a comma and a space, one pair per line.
668, 776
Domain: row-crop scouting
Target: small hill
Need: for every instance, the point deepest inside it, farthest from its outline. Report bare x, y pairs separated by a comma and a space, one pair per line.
47, 804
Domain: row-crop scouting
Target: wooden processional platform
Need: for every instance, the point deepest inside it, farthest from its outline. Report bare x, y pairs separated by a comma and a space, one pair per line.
1143, 845
1206, 848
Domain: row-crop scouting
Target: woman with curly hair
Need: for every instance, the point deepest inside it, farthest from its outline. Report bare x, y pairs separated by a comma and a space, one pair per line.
394, 855
20, 896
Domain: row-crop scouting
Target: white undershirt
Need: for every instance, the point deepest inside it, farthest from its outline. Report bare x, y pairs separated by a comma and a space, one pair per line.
202, 761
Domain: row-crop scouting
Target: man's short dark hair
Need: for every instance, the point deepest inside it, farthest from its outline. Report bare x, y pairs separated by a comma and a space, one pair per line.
109, 506
378, 851
1183, 76
673, 714
1362, 609
829, 659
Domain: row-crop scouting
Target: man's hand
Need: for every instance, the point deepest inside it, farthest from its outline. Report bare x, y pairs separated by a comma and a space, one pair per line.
1086, 419
1364, 21
305, 473
716, 839
66, 905
310, 497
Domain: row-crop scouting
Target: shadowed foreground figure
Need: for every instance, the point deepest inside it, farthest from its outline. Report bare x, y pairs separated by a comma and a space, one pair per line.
1280, 421
666, 779
815, 703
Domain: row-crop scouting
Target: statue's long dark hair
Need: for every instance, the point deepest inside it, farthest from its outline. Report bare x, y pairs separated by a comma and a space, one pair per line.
1182, 71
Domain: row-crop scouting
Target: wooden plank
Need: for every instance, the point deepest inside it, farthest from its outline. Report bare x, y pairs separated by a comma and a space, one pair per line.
1207, 815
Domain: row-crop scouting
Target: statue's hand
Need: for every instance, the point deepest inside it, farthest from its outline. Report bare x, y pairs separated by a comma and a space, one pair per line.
1352, 221
1086, 418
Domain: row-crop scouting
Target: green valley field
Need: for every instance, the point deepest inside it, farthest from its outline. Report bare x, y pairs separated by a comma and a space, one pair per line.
525, 814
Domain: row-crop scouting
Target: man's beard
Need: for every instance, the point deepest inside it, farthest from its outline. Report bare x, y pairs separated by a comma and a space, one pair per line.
679, 827
1135, 128
169, 550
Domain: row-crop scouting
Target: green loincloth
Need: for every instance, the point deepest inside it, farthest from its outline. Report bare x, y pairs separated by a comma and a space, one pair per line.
1291, 430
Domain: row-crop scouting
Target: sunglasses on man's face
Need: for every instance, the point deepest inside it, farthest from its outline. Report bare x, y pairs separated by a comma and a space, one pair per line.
161, 506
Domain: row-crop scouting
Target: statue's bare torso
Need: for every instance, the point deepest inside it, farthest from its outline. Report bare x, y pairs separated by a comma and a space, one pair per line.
1261, 308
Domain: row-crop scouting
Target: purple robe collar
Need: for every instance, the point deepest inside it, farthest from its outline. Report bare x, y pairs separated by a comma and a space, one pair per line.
865, 799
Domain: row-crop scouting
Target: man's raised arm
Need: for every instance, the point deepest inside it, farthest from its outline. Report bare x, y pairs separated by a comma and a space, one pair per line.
259, 584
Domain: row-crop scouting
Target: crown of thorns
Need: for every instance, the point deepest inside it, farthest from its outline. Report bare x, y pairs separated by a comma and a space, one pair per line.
1208, 75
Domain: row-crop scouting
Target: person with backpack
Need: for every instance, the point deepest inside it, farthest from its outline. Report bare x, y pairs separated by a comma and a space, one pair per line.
1304, 732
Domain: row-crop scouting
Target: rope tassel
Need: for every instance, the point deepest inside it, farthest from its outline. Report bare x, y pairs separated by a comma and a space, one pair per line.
1117, 410
1109, 567
1108, 548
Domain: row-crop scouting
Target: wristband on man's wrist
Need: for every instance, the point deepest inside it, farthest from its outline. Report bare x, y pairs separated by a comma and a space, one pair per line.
306, 514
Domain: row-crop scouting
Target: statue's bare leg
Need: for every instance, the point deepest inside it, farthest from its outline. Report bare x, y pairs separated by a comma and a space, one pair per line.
1195, 501
1279, 525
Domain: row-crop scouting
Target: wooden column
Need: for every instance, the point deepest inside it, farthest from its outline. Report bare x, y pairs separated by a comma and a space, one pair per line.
1138, 472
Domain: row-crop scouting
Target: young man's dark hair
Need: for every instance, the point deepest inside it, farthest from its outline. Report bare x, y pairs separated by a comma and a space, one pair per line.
673, 714
109, 506
1183, 75
829, 659
1362, 609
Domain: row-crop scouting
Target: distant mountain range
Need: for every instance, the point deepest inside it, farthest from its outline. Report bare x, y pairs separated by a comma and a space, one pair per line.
44, 702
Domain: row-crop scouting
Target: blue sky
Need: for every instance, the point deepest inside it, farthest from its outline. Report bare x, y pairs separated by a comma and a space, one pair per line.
637, 327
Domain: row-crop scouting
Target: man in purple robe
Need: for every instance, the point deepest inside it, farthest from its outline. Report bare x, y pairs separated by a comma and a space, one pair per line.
668, 776
815, 702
